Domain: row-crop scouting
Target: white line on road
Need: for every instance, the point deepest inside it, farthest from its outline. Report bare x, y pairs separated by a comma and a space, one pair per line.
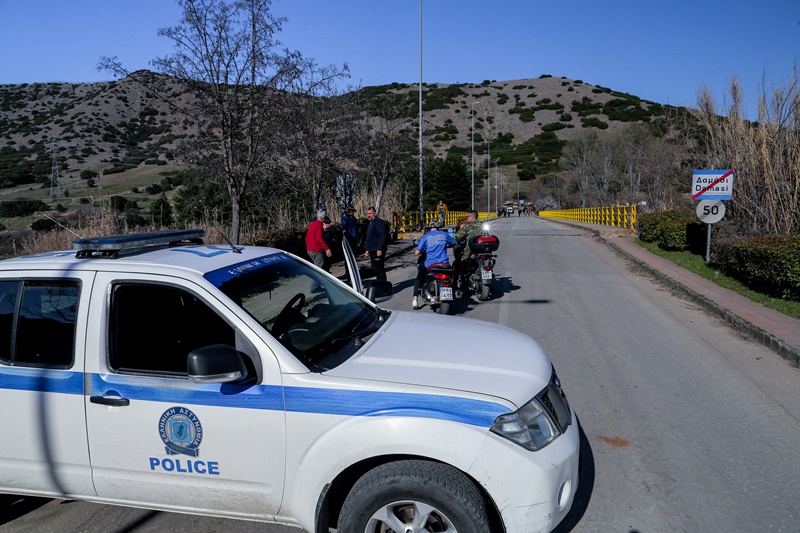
503, 320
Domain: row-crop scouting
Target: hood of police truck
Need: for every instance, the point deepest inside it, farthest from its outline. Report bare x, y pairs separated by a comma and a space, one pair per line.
454, 353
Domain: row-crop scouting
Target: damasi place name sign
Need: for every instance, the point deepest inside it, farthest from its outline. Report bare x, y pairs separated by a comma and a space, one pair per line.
712, 184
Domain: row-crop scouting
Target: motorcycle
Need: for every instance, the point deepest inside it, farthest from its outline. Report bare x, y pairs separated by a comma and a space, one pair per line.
477, 272
437, 291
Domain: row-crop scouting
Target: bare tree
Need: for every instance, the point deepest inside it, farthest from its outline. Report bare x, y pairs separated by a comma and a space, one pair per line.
577, 159
386, 144
227, 54
318, 146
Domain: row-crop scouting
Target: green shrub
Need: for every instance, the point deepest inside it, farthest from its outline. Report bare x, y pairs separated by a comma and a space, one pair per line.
673, 234
43, 224
589, 122
21, 208
648, 225
770, 265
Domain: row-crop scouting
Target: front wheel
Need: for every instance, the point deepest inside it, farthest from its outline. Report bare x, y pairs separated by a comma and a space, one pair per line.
414, 497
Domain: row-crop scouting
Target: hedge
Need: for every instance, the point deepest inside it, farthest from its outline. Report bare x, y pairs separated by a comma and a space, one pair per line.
770, 265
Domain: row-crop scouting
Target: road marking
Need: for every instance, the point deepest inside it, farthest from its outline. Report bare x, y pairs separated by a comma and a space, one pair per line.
503, 320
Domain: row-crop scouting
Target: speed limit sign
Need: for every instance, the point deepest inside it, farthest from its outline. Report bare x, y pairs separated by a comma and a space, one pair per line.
710, 211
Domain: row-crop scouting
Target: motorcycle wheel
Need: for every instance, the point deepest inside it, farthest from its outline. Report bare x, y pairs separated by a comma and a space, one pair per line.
483, 291
444, 308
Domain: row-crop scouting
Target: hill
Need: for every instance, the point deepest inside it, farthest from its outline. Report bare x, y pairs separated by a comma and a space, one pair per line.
118, 138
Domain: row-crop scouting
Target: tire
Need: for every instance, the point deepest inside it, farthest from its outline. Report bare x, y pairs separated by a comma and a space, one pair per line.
388, 497
485, 290
444, 308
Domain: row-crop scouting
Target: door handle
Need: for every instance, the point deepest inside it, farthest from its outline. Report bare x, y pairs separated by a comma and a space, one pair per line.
114, 402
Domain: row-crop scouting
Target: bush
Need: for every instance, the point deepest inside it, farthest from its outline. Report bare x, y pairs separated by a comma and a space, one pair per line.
43, 224
21, 208
770, 265
648, 225
673, 234
290, 239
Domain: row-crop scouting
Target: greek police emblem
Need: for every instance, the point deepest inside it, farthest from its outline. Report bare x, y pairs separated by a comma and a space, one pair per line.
180, 431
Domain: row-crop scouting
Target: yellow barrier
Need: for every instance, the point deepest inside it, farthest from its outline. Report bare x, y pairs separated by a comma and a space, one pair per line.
621, 216
409, 220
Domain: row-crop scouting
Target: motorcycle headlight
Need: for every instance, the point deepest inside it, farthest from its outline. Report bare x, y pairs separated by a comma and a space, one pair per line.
529, 426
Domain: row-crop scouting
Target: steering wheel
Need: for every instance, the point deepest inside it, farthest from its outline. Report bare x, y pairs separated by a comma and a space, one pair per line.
289, 315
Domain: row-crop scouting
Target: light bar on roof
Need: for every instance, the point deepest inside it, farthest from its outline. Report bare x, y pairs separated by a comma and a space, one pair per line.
133, 241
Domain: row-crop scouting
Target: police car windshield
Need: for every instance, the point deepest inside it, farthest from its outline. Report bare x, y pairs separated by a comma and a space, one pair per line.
306, 311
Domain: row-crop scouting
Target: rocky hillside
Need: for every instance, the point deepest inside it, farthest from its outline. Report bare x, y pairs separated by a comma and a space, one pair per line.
117, 126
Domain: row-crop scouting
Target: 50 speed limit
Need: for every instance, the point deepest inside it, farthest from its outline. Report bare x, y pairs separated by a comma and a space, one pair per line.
710, 211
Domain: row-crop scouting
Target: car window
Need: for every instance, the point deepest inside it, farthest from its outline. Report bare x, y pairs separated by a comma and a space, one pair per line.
154, 327
37, 322
308, 312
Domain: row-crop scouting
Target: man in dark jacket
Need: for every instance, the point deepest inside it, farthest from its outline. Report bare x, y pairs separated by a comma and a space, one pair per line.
350, 227
376, 242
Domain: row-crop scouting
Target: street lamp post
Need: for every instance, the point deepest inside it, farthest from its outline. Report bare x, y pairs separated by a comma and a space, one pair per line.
472, 113
496, 162
421, 207
488, 174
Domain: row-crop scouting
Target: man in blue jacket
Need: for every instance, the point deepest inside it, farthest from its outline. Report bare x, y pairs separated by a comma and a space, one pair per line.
434, 244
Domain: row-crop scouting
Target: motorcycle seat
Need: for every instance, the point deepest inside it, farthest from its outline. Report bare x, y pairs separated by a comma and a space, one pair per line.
440, 266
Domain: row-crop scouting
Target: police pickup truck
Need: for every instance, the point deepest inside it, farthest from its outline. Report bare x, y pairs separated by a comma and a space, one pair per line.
152, 370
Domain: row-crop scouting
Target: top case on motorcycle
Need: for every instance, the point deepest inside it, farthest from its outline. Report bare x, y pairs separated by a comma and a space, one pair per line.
484, 244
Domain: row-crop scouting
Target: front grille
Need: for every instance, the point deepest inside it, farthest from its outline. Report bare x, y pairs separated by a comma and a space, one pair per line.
553, 400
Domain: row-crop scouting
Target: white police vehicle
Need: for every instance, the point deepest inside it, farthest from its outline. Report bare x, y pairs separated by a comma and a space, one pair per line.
154, 371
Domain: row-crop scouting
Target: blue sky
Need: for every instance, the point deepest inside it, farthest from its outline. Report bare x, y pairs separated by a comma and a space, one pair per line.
660, 51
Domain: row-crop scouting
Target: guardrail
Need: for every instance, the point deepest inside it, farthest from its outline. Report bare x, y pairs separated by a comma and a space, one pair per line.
406, 221
621, 216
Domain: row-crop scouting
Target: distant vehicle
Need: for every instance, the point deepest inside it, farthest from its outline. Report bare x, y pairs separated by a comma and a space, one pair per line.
155, 371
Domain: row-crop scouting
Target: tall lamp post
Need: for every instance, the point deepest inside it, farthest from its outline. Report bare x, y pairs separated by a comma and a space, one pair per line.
488, 174
496, 179
472, 205
421, 207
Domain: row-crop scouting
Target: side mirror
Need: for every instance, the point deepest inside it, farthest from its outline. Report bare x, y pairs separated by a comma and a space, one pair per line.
218, 363
379, 291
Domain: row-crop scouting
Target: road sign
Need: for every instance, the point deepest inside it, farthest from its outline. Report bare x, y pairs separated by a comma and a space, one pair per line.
712, 184
710, 211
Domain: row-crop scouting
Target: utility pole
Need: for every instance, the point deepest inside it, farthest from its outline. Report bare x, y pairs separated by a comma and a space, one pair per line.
55, 173
488, 174
472, 113
496, 195
421, 207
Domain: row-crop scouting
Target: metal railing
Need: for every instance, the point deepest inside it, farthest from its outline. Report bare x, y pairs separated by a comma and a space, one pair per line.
408, 221
621, 216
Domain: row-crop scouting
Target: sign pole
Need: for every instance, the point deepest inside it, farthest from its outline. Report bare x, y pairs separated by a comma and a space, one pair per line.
708, 245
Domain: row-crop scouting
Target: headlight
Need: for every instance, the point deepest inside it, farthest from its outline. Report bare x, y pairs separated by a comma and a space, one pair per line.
529, 426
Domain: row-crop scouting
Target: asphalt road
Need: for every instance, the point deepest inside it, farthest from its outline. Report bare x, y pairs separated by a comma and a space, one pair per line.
687, 425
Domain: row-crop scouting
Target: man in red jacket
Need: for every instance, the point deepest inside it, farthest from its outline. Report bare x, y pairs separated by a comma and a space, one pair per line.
318, 251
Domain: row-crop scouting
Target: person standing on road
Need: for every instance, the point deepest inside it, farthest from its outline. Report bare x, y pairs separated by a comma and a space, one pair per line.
316, 247
350, 227
441, 210
376, 242
328, 226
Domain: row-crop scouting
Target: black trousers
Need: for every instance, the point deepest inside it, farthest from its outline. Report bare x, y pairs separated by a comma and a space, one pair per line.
378, 265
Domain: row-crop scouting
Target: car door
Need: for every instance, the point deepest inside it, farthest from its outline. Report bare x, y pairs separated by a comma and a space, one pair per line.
43, 444
157, 439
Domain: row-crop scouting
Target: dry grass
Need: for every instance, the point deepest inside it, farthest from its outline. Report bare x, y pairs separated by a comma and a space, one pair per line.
765, 157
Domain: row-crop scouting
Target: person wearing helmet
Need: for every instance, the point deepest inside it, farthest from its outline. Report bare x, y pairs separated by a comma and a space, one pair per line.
433, 245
